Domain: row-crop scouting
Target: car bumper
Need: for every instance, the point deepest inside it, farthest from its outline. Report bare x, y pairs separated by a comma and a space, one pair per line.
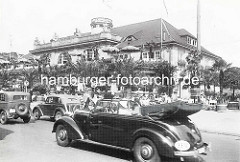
194, 153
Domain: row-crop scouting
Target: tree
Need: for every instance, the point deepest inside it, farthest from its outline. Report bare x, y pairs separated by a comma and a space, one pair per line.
209, 77
193, 68
5, 75
219, 67
156, 69
193, 63
43, 64
231, 79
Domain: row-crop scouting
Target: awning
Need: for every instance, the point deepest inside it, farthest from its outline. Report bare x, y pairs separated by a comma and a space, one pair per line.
110, 49
130, 49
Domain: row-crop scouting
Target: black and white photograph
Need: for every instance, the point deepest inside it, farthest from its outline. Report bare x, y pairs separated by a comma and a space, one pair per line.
119, 81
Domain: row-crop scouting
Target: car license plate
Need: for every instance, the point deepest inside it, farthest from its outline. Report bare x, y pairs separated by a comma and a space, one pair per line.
12, 110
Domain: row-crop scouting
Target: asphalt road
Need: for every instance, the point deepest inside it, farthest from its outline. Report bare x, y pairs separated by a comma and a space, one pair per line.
34, 142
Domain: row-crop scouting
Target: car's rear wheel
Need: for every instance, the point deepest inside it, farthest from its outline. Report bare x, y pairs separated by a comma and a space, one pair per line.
58, 115
22, 109
62, 136
26, 119
144, 150
3, 117
36, 114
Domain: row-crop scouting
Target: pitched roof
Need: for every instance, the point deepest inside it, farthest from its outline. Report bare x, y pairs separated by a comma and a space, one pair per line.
150, 31
184, 32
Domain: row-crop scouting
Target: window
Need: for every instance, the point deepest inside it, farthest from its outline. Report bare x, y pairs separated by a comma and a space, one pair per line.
2, 97
145, 55
129, 38
188, 40
121, 56
164, 36
62, 59
89, 54
79, 57
53, 100
19, 97
157, 55
191, 41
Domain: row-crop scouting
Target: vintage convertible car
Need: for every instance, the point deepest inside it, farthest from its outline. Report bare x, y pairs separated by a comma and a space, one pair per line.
56, 106
14, 105
155, 133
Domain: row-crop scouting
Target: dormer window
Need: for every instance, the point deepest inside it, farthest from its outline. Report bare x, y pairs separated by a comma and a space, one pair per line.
130, 38
191, 41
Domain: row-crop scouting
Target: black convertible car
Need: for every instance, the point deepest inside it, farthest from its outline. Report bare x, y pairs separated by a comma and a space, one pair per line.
151, 132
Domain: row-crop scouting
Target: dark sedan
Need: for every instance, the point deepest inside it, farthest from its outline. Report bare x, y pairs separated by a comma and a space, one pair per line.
150, 135
56, 106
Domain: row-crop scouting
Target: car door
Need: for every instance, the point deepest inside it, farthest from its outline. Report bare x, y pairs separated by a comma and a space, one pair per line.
127, 122
48, 107
103, 127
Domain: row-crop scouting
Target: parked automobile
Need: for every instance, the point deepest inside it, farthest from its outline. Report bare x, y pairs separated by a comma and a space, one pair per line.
212, 105
56, 106
233, 105
14, 105
36, 101
150, 135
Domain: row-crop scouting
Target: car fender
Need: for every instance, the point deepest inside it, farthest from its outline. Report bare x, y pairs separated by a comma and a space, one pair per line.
71, 126
59, 109
37, 107
163, 143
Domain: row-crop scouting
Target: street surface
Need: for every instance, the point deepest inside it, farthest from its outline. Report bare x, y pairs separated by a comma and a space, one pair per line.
34, 142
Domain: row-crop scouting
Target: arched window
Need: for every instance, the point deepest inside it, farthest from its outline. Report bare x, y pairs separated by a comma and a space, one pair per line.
63, 58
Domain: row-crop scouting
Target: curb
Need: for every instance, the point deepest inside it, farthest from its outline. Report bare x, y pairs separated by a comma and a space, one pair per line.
221, 133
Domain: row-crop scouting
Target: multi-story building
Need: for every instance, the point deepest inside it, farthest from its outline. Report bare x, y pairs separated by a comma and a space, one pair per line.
151, 40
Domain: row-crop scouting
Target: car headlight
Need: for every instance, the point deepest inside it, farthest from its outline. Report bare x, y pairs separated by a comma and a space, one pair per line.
182, 145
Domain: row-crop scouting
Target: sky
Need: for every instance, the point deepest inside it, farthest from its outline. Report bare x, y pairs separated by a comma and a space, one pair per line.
21, 21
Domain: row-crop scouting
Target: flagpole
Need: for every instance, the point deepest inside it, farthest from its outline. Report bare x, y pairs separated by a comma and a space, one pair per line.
161, 33
198, 28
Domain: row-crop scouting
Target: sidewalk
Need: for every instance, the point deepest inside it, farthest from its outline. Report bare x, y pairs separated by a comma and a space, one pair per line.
223, 122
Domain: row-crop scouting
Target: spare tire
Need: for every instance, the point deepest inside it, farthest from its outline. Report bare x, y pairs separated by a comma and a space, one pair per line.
22, 109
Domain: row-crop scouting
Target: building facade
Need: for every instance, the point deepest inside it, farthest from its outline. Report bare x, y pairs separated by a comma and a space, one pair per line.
148, 41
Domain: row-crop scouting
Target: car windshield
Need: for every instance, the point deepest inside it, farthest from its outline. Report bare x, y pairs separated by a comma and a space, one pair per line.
20, 97
53, 100
74, 106
123, 104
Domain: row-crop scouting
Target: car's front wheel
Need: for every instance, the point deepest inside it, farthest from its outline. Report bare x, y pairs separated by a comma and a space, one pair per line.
36, 114
144, 150
3, 117
26, 119
58, 115
62, 136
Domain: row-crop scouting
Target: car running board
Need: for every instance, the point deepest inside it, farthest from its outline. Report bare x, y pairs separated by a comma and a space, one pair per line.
102, 144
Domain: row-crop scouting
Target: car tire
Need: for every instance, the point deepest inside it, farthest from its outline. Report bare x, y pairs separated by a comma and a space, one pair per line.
3, 117
144, 150
58, 115
62, 136
26, 119
36, 114
21, 109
